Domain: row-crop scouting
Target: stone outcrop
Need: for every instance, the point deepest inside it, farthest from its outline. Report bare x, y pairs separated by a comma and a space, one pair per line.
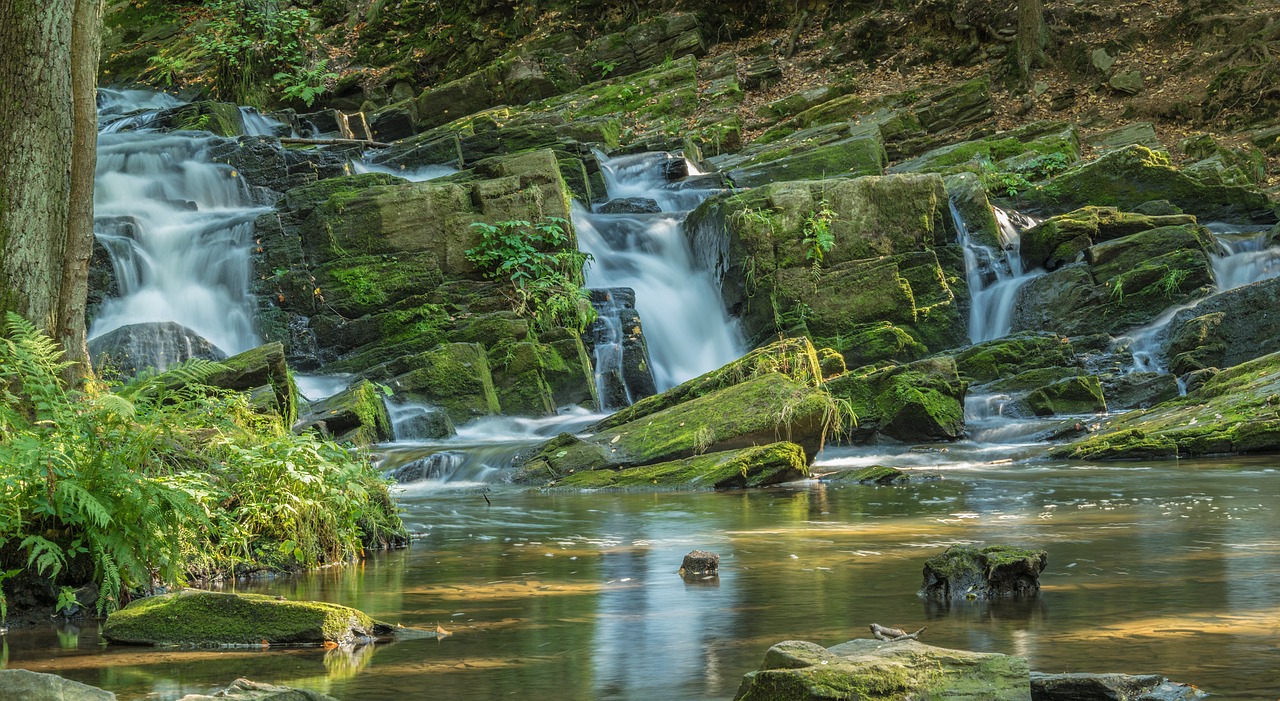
803, 671
136, 347
36, 686
357, 415
967, 572
1060, 240
730, 469
919, 401
1226, 329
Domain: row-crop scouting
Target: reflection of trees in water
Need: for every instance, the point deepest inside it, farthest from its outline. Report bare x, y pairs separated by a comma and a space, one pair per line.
347, 662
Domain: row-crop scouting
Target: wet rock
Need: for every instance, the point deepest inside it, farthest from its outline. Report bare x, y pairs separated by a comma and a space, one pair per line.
1060, 240
1226, 329
882, 475
630, 205
452, 376
700, 563
435, 466
357, 414
1129, 176
133, 348
970, 199
1109, 687
35, 686
759, 466
1236, 410
261, 161
245, 690
1012, 355
394, 122
802, 671
626, 377
1138, 390
1072, 395
428, 425
218, 619
967, 572
920, 401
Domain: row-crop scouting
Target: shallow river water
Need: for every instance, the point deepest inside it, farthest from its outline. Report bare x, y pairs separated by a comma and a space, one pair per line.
1168, 567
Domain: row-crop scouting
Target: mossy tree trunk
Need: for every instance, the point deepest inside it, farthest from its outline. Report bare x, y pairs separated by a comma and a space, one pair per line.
48, 137
1033, 37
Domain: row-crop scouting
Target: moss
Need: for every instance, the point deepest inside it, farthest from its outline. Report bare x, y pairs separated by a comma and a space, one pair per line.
1031, 379
202, 618
874, 474
733, 469
453, 376
518, 379
1012, 355
918, 401
877, 343
355, 286
355, 415
848, 158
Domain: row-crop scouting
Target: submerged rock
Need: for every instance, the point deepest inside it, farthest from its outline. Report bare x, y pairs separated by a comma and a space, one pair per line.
35, 686
865, 669
215, 619
245, 690
1109, 687
700, 563
882, 475
966, 572
730, 469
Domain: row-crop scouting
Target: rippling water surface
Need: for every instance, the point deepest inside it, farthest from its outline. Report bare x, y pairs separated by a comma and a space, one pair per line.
1173, 568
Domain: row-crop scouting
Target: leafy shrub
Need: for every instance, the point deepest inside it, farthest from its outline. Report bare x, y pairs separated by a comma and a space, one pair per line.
545, 276
249, 41
164, 479
818, 238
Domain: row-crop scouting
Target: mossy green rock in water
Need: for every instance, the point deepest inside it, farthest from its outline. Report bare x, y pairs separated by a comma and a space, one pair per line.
1226, 329
452, 376
1073, 395
873, 669
1058, 240
920, 401
356, 415
967, 572
1013, 355
245, 690
1234, 411
1130, 176
881, 475
731, 469
205, 618
35, 686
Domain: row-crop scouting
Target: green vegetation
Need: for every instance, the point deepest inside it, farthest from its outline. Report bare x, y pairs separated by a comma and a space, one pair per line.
247, 43
544, 270
165, 479
818, 239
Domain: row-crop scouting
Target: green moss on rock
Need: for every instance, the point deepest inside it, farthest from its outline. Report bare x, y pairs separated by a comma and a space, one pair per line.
919, 401
1073, 395
732, 469
356, 415
212, 619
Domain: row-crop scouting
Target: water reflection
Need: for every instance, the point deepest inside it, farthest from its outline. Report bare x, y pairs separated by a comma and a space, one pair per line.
576, 596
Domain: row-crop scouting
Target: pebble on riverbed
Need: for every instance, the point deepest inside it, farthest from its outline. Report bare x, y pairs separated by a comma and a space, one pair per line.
700, 563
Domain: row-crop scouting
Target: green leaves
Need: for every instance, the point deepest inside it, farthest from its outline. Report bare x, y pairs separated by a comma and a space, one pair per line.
545, 275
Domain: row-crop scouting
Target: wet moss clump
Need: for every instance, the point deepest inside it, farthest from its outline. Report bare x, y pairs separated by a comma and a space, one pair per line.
203, 618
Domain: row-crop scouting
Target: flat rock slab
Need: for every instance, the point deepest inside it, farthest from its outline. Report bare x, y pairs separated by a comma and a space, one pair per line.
860, 669
1110, 687
34, 686
245, 690
216, 619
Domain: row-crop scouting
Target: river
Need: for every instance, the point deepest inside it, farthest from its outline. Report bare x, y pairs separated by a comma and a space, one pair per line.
1163, 567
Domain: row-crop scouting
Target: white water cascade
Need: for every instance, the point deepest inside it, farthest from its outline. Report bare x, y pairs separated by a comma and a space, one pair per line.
994, 281
178, 227
686, 326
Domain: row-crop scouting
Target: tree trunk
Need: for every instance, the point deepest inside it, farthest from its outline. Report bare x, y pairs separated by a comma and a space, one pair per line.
85, 28
1033, 36
48, 70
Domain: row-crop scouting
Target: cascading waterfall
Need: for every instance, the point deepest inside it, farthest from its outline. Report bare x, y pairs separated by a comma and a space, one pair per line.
178, 227
993, 280
416, 175
686, 326
255, 124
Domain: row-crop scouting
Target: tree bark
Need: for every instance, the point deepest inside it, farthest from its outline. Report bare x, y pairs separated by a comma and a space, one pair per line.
73, 297
1033, 36
48, 131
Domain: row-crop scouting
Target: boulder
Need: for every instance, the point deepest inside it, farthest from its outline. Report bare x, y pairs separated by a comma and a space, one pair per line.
972, 205
920, 401
356, 415
1138, 390
1073, 395
427, 425
630, 205
262, 371
1226, 329
35, 686
863, 669
1233, 411
435, 466
1012, 355
730, 469
700, 563
454, 377
967, 572
881, 475
219, 619
1127, 177
1108, 687
135, 347
1060, 240
626, 376
245, 690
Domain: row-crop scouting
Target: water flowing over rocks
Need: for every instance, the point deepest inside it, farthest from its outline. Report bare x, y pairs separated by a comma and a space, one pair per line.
158, 344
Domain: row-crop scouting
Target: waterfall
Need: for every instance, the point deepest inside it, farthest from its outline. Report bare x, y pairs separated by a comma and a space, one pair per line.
686, 326
1243, 257
178, 228
993, 280
255, 124
416, 175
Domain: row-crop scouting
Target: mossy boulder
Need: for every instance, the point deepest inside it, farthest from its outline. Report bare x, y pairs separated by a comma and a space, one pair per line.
966, 572
731, 469
1130, 176
919, 401
1120, 284
518, 380
1013, 355
357, 415
217, 619
1073, 395
970, 200
1011, 151
1233, 411
1059, 240
1138, 390
873, 669
261, 367
839, 159
1226, 329
245, 690
455, 377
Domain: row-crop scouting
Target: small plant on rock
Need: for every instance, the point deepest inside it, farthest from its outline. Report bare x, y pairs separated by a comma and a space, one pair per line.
818, 237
